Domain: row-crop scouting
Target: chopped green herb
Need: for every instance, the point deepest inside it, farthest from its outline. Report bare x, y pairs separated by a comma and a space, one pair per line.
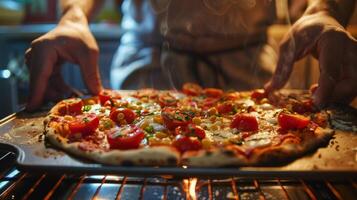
107, 124
87, 108
179, 118
86, 120
149, 129
235, 109
148, 136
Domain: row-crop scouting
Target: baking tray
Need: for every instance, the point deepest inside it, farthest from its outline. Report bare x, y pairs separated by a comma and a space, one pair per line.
337, 160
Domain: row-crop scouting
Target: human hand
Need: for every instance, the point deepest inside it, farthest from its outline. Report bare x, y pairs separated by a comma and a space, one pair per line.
71, 41
336, 51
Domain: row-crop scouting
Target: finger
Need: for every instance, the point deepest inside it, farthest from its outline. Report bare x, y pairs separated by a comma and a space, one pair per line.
41, 67
330, 60
28, 56
28, 53
90, 73
57, 89
284, 66
58, 85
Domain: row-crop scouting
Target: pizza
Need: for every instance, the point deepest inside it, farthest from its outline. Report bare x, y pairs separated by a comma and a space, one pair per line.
198, 127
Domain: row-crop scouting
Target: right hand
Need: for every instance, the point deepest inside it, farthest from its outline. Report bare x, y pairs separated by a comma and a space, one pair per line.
335, 49
71, 41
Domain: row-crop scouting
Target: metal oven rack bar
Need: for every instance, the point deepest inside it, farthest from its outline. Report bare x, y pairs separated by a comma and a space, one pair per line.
25, 185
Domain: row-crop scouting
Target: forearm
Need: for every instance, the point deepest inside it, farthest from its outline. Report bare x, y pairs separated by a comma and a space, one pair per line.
73, 9
341, 10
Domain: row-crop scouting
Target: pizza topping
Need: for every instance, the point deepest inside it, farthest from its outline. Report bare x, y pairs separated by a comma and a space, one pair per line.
258, 143
292, 121
107, 96
302, 107
126, 137
166, 99
149, 129
191, 89
213, 92
245, 122
206, 143
321, 119
209, 119
226, 107
146, 94
173, 118
71, 106
105, 124
84, 124
236, 139
212, 111
161, 135
87, 108
258, 94
208, 102
158, 119
231, 96
191, 130
122, 116
266, 106
185, 143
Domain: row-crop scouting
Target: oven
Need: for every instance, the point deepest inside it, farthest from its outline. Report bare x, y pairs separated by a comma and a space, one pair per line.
15, 184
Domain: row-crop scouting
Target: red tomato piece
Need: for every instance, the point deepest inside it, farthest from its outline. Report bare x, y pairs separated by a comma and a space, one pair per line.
85, 124
191, 89
129, 115
185, 143
245, 122
225, 107
292, 121
126, 137
231, 96
146, 93
71, 106
107, 95
174, 117
213, 92
208, 102
258, 94
166, 99
75, 106
191, 130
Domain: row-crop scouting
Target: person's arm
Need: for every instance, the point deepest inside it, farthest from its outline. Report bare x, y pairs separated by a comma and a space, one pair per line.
71, 40
341, 10
321, 31
88, 8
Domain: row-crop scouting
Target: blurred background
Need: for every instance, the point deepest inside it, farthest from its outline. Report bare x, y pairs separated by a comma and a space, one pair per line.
21, 21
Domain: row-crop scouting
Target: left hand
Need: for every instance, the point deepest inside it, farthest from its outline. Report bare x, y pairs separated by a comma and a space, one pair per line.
332, 45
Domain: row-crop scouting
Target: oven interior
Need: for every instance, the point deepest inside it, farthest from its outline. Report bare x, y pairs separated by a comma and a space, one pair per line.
15, 184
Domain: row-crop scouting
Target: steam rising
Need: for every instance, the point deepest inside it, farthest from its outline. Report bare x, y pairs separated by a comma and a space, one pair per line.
190, 30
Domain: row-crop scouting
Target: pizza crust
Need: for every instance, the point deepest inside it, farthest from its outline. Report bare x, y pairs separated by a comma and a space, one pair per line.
214, 158
153, 156
265, 156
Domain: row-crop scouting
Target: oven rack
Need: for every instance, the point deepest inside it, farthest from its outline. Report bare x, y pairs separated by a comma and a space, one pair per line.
16, 184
